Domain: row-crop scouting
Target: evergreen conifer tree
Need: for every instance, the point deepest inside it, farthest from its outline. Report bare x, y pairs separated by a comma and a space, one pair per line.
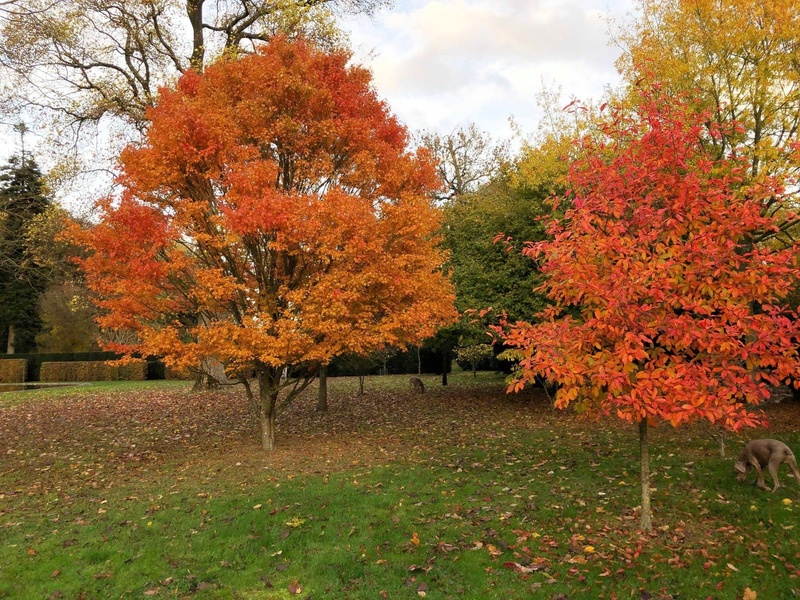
23, 195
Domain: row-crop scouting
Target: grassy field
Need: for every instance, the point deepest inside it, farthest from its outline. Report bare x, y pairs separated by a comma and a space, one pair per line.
147, 490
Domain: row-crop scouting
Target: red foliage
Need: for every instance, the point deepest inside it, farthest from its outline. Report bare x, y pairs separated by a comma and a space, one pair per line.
665, 306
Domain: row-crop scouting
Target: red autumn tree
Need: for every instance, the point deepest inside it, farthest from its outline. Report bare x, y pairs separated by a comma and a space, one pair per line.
271, 219
663, 308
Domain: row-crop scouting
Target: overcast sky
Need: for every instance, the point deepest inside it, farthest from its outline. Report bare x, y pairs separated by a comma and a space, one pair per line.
445, 63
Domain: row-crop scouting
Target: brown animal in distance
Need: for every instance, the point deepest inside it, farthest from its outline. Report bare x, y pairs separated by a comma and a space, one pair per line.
766, 453
416, 385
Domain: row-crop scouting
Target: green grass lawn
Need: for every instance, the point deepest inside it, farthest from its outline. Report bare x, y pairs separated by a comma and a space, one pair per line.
147, 490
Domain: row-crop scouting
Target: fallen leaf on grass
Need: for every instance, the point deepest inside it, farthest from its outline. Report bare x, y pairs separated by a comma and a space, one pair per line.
295, 522
749, 594
295, 588
412, 544
418, 569
732, 568
152, 592
522, 568
493, 551
55, 573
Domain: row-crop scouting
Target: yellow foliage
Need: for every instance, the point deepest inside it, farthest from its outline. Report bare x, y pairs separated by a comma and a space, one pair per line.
741, 55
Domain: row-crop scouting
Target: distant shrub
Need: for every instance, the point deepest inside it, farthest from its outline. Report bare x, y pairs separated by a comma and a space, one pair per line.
13, 370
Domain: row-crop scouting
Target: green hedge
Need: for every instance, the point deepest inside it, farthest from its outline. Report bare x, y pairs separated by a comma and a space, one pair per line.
13, 370
94, 370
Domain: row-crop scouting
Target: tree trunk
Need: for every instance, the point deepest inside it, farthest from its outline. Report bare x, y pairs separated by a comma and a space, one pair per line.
211, 376
268, 399
194, 9
419, 361
361, 384
474, 370
446, 360
267, 430
322, 394
645, 521
12, 335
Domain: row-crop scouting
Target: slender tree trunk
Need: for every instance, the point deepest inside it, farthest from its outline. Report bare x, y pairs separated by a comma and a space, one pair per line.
268, 399
419, 361
267, 430
12, 338
446, 359
474, 371
322, 394
361, 384
645, 521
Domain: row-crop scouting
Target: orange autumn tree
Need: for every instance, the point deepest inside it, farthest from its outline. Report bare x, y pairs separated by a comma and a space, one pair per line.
271, 219
662, 307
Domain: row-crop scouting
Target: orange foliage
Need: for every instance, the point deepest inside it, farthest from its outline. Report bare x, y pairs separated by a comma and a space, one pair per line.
271, 217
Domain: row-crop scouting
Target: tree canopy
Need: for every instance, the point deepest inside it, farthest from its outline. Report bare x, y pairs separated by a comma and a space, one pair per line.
89, 69
738, 58
663, 307
467, 159
272, 219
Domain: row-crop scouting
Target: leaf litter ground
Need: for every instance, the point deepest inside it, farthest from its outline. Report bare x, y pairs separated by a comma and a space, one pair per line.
463, 492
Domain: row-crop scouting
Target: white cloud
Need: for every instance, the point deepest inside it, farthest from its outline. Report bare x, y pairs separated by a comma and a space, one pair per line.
441, 63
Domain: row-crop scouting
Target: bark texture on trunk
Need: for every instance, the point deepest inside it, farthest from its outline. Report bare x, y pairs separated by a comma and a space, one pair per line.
267, 430
12, 339
194, 10
645, 520
322, 393
268, 399
211, 376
